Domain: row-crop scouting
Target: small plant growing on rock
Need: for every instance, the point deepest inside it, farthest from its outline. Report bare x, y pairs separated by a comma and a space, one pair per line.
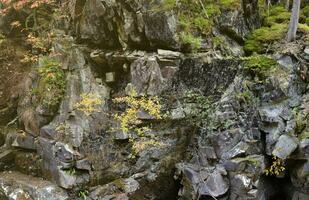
83, 194
89, 103
277, 167
189, 39
129, 119
71, 171
259, 64
51, 86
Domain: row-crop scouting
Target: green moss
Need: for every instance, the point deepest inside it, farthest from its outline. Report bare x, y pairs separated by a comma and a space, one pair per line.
245, 97
276, 14
218, 40
230, 4
304, 28
203, 25
189, 39
166, 5
259, 63
305, 11
260, 39
212, 10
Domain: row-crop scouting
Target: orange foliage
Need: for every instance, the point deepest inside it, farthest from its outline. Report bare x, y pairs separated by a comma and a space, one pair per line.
20, 4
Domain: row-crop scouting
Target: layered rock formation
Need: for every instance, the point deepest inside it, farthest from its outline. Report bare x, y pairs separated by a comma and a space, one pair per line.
222, 121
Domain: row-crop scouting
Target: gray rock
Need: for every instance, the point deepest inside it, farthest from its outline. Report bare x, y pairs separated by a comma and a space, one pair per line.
17, 186
285, 146
119, 189
24, 141
146, 76
240, 184
215, 185
92, 25
83, 164
169, 54
130, 185
206, 182
286, 61
160, 29
306, 50
120, 135
253, 164
240, 149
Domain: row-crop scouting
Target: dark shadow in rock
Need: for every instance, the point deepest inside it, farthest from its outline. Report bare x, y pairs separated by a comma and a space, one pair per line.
273, 188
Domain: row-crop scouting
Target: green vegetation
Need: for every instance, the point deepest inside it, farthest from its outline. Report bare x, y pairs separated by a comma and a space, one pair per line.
230, 4
259, 63
200, 109
260, 40
260, 66
193, 42
83, 194
245, 97
51, 86
71, 171
276, 14
275, 25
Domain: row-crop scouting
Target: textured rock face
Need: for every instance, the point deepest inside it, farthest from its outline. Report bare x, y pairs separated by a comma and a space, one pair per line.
127, 24
17, 186
221, 124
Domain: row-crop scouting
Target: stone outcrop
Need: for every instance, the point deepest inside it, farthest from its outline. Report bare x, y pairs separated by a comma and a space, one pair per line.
222, 125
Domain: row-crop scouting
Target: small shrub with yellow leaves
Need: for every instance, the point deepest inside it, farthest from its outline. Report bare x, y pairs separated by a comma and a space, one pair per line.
89, 104
128, 120
277, 167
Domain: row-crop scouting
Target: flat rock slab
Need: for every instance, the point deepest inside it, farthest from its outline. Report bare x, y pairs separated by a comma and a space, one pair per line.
18, 186
285, 146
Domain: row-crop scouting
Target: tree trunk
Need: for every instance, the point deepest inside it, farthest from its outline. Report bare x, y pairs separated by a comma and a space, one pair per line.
293, 21
287, 4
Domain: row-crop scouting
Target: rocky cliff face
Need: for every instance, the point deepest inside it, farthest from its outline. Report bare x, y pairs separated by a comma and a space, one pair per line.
231, 127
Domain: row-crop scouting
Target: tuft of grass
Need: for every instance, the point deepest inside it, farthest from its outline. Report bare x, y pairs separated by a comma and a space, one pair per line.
230, 4
189, 39
259, 40
275, 15
259, 63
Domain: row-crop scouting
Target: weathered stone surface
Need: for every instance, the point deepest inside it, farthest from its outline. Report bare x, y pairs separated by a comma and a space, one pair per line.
205, 182
25, 141
93, 27
118, 189
285, 146
17, 186
160, 29
146, 76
